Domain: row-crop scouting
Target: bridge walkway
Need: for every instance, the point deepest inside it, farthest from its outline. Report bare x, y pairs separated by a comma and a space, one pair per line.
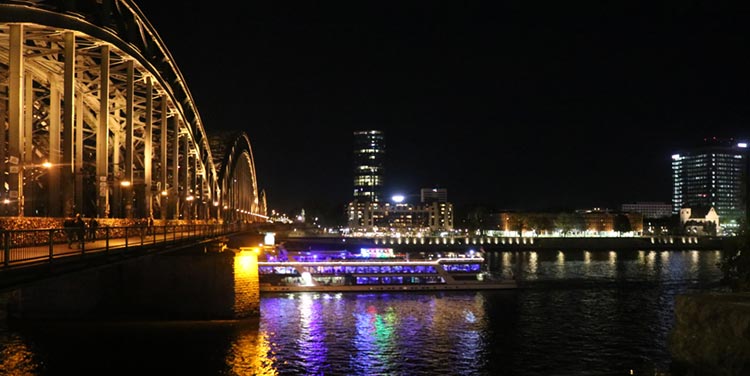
28, 257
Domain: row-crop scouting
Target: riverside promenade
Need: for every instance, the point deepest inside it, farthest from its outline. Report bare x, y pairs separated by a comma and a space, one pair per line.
430, 244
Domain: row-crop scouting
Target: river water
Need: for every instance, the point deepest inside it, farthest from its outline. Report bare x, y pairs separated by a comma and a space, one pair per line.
578, 313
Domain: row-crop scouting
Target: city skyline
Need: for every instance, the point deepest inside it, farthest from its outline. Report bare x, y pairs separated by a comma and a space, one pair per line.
506, 105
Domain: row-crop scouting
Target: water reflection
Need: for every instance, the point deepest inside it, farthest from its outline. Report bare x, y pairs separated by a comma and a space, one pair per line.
251, 354
16, 356
532, 264
645, 265
369, 334
610, 312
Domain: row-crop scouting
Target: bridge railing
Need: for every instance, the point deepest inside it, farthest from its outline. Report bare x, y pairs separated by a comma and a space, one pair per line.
29, 247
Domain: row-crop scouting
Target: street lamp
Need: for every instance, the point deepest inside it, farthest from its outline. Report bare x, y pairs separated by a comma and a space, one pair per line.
189, 200
127, 196
21, 169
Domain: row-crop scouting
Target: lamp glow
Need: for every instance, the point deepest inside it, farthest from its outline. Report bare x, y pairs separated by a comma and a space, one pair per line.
398, 198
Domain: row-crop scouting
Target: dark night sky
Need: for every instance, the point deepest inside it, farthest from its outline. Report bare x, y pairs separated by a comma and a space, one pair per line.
510, 105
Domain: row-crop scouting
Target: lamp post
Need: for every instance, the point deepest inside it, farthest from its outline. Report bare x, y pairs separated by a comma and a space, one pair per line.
20, 195
163, 204
189, 200
125, 186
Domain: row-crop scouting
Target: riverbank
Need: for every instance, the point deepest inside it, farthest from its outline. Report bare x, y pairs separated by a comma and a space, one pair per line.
711, 335
671, 243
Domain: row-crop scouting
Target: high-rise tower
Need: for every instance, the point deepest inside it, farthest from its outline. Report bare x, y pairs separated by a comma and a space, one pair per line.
712, 175
369, 154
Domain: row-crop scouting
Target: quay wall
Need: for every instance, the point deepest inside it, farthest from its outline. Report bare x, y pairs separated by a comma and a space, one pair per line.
175, 286
511, 243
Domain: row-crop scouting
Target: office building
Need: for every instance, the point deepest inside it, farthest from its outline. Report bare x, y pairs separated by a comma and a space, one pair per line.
369, 155
649, 209
711, 175
428, 195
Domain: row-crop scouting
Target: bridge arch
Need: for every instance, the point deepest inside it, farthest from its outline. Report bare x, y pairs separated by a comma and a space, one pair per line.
238, 180
90, 88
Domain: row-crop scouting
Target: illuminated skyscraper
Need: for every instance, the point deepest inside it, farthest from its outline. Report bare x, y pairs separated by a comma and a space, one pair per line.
711, 175
371, 212
369, 155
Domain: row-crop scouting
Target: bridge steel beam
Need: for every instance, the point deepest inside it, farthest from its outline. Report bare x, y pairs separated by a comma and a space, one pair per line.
55, 154
163, 195
129, 182
102, 136
184, 180
148, 151
68, 122
15, 120
174, 196
26, 157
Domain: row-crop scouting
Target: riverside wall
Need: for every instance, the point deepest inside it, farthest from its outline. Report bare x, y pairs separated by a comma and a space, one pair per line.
711, 335
511, 243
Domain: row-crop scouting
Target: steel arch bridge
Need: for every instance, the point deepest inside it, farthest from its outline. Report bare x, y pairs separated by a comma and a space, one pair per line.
97, 119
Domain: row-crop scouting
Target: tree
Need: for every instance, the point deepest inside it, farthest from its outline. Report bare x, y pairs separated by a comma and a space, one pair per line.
519, 223
567, 222
476, 218
621, 223
539, 223
710, 228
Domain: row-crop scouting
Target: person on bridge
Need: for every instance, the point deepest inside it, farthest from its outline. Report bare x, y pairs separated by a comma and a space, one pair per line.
93, 225
80, 230
70, 231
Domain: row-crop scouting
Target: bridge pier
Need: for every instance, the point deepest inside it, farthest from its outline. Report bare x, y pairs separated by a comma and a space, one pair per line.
184, 285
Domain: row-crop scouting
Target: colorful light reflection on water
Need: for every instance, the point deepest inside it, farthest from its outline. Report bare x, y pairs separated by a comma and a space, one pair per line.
376, 333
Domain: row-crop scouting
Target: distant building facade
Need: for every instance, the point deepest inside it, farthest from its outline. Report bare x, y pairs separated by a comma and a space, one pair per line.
649, 209
433, 195
711, 175
433, 214
587, 222
700, 220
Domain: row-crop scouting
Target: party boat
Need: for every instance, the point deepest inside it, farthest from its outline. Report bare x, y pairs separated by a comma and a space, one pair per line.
375, 269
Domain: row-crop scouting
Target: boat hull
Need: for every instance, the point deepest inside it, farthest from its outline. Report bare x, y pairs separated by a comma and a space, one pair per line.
500, 285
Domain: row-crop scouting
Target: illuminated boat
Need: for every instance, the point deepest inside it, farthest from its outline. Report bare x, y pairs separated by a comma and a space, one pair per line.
375, 270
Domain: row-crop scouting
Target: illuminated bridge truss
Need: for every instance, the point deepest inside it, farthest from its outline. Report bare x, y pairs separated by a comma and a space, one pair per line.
98, 120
